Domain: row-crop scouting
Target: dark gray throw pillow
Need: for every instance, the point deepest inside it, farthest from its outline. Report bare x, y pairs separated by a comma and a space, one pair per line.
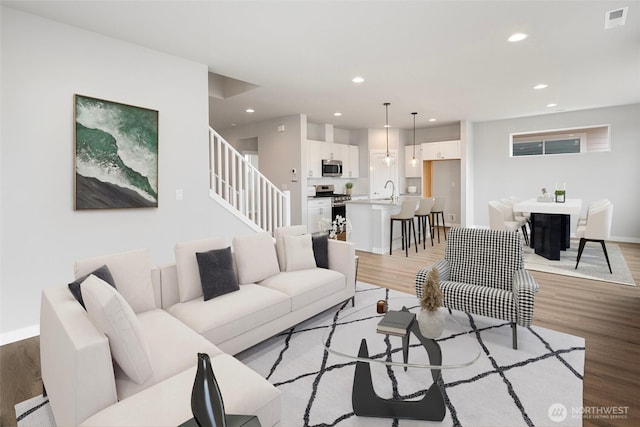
216, 273
102, 273
321, 250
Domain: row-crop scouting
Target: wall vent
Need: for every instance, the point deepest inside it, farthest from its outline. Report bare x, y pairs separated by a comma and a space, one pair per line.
615, 18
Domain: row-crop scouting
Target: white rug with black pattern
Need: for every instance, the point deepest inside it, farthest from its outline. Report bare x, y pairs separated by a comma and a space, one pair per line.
538, 384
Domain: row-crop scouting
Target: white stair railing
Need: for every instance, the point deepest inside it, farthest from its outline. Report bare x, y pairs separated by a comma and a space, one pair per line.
243, 190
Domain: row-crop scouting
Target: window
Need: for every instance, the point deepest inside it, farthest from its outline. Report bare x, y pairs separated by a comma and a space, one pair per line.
566, 141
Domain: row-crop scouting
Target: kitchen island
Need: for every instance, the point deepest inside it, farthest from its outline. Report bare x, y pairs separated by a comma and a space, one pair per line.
370, 224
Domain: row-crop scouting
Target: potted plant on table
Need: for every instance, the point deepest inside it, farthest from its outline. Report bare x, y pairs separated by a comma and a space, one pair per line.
347, 187
430, 319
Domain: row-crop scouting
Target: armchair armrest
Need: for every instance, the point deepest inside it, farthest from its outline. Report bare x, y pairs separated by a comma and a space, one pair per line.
524, 288
444, 271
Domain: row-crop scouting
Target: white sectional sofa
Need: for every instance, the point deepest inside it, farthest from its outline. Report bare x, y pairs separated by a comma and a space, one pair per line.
89, 385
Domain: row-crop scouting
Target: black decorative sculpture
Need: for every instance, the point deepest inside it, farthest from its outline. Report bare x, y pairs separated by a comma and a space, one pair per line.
206, 399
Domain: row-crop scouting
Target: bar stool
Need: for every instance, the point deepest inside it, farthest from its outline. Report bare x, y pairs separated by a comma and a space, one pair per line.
438, 209
407, 212
423, 213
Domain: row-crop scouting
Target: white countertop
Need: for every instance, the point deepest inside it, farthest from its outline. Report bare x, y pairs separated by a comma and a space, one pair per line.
385, 202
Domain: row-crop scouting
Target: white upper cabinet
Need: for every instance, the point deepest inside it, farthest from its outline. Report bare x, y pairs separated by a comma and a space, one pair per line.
441, 150
351, 162
314, 159
320, 150
412, 170
331, 151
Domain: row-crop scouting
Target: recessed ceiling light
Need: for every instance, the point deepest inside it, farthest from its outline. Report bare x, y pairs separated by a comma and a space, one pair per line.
250, 110
357, 79
432, 120
540, 86
551, 105
337, 114
517, 37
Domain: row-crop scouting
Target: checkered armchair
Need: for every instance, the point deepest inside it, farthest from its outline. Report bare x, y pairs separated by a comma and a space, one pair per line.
482, 272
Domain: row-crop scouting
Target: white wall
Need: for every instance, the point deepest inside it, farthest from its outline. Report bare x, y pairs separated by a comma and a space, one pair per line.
279, 152
588, 176
43, 65
449, 132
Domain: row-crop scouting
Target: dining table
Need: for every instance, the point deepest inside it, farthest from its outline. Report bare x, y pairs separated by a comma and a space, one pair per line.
550, 224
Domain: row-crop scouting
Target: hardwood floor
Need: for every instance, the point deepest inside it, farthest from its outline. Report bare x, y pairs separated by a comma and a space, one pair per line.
19, 376
606, 315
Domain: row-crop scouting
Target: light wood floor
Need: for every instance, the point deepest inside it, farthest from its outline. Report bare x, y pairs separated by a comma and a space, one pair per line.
606, 315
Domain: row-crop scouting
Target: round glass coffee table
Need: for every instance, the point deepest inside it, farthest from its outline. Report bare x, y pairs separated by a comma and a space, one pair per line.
411, 353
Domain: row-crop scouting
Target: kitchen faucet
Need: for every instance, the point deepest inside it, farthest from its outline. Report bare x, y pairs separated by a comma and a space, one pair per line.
393, 190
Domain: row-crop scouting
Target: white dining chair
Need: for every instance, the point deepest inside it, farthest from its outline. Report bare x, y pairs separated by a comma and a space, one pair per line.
498, 217
597, 228
518, 217
592, 205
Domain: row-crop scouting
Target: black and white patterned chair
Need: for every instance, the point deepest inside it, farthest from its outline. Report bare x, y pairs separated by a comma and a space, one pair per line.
483, 273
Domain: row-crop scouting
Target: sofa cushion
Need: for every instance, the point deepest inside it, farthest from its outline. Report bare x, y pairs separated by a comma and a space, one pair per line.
306, 286
293, 230
131, 272
321, 250
173, 347
168, 403
112, 316
484, 300
233, 314
216, 272
102, 273
255, 256
189, 284
298, 253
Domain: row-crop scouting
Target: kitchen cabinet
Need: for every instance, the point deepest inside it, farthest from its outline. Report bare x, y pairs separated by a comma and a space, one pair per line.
440, 150
331, 150
319, 150
314, 159
351, 161
316, 210
412, 170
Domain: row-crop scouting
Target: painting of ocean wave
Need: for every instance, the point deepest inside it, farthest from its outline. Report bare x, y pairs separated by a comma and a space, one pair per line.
116, 155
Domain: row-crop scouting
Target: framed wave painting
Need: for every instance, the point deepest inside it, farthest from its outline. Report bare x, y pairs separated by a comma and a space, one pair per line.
116, 155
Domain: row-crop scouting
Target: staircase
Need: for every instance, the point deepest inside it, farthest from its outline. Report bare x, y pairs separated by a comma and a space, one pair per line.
238, 186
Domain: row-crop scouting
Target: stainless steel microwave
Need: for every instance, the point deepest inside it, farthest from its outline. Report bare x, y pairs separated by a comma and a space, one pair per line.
331, 167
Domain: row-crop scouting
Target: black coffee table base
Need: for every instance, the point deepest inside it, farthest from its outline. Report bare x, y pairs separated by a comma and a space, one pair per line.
367, 403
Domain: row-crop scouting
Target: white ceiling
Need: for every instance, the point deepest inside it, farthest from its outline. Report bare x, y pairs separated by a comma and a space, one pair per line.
444, 59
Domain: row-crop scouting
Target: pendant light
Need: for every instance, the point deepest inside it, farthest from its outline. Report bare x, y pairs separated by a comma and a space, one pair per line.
388, 160
413, 159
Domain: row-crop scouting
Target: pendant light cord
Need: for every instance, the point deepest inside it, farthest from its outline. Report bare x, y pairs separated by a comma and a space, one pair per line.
414, 135
386, 123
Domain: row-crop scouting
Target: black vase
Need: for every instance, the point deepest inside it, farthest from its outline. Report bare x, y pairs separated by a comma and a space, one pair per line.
206, 399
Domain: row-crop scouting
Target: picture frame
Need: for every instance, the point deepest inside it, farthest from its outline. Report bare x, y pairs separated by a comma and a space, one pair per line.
115, 155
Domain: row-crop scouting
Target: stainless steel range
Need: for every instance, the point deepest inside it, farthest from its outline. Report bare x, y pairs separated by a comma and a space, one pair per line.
338, 206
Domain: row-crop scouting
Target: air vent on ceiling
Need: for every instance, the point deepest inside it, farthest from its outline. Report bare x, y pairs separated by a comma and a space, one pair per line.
615, 18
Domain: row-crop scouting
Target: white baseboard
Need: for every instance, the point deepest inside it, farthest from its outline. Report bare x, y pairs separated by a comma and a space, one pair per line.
19, 334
